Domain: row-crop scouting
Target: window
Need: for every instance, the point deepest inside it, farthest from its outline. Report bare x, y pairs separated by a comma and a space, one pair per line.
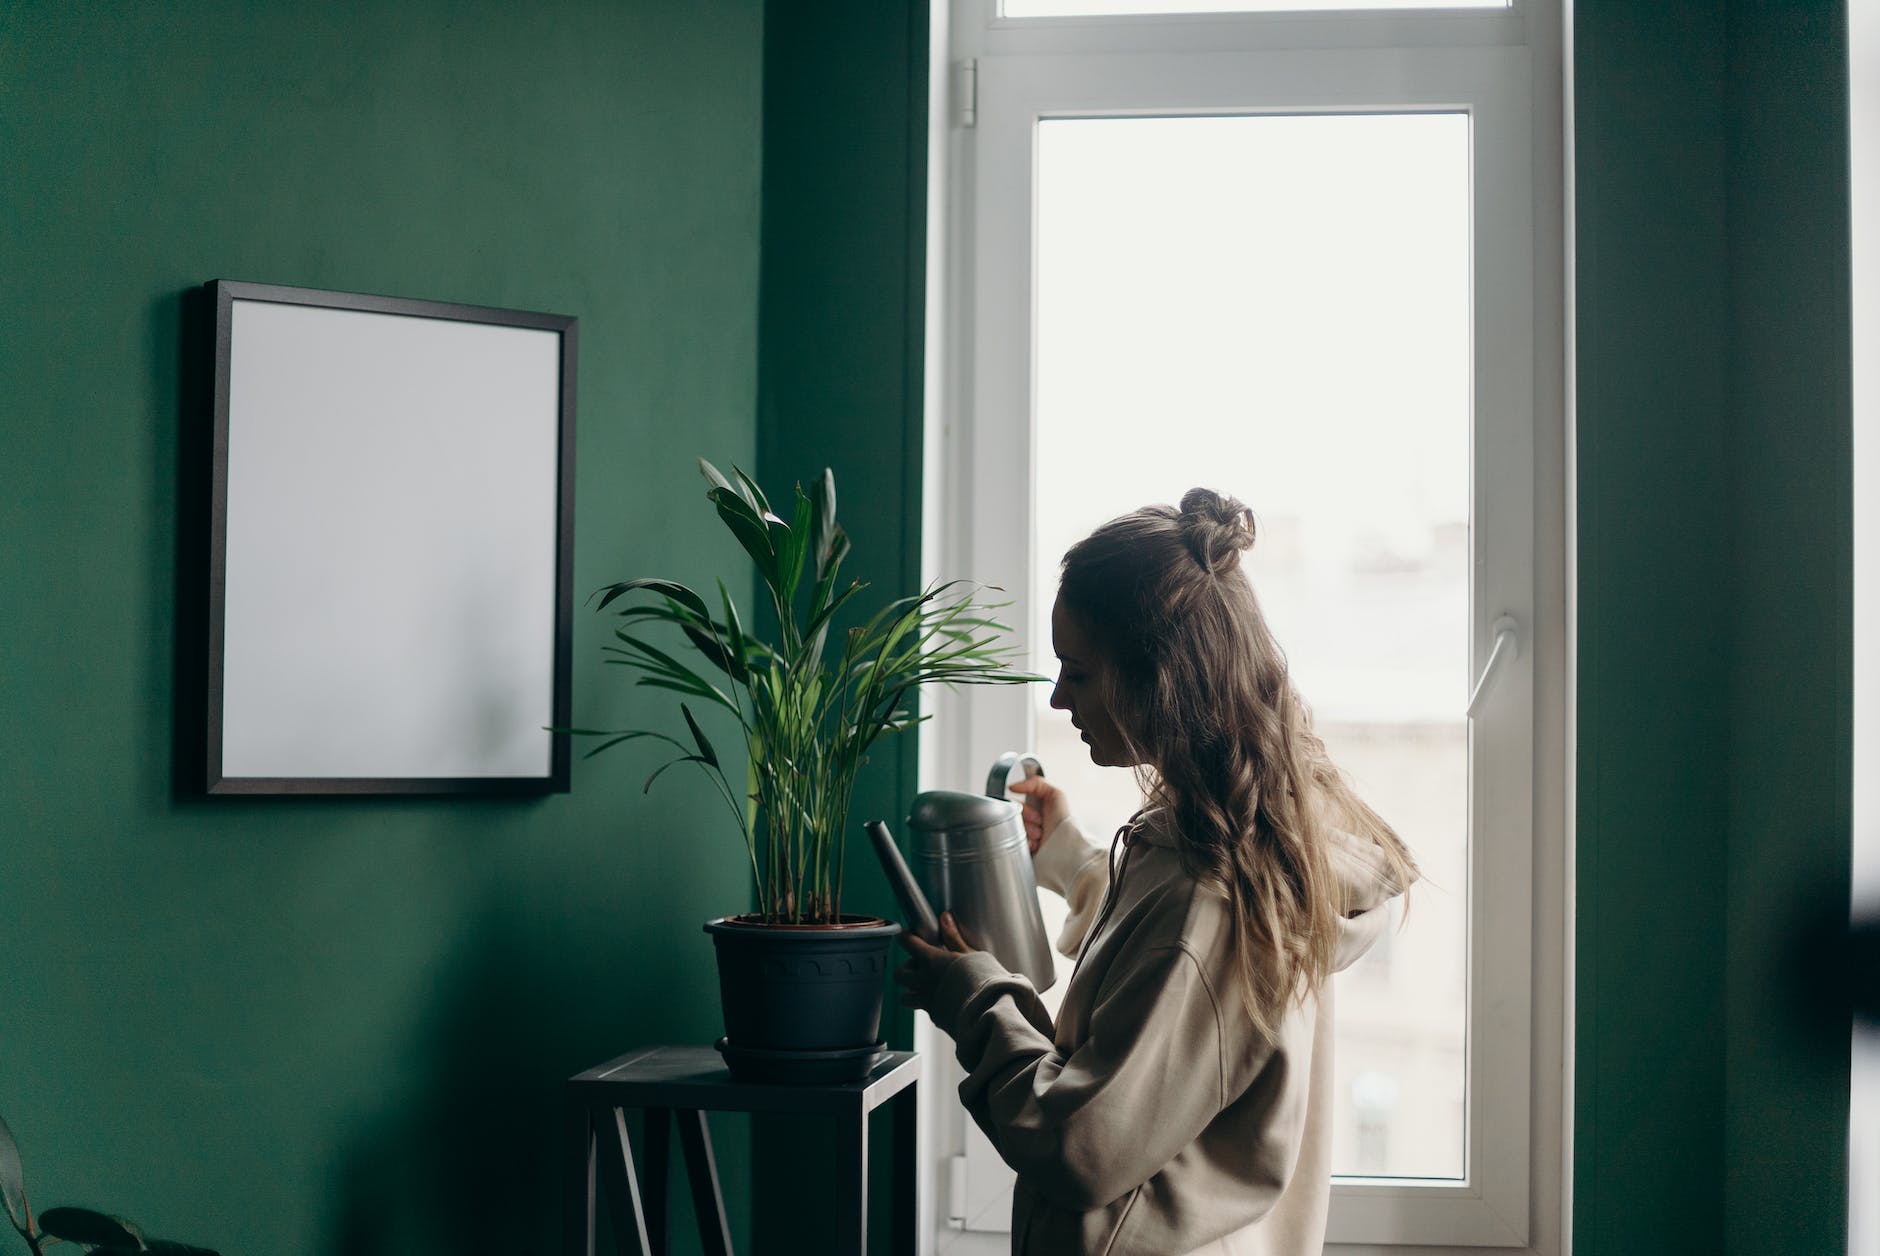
1293, 257
1278, 305
1117, 8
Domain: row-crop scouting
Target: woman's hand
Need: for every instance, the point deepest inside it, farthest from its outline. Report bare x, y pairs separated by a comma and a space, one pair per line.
1045, 806
928, 963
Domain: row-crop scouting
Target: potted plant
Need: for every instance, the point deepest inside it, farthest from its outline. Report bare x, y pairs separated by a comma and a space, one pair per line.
801, 981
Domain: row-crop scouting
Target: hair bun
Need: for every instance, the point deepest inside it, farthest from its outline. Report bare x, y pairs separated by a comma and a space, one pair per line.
1216, 528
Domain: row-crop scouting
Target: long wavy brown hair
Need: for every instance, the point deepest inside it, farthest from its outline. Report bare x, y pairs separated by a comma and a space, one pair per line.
1200, 692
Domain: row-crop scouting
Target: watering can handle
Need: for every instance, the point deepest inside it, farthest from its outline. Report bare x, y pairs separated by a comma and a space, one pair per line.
1002, 771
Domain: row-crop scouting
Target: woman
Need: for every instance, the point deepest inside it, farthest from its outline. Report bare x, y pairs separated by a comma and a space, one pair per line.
1181, 1103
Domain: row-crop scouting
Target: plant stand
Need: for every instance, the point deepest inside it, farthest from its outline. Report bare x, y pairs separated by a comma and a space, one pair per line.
683, 1084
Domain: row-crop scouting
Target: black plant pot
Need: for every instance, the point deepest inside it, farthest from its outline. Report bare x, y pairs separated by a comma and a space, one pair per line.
802, 1003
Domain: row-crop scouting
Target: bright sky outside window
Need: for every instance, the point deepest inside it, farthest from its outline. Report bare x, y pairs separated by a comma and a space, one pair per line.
1112, 8
1278, 307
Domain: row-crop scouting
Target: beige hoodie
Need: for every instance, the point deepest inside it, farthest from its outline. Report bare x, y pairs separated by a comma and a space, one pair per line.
1151, 1119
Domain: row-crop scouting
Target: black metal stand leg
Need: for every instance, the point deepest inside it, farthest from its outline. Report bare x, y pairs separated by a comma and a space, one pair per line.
701, 1170
904, 1112
852, 1214
655, 1137
622, 1187
577, 1180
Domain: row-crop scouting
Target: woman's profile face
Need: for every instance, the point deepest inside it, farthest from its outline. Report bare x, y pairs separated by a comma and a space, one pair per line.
1080, 691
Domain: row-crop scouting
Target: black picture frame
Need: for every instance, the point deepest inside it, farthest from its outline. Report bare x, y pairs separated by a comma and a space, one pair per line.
339, 409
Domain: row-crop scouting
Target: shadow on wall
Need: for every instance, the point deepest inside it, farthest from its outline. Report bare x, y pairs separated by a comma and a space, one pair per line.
182, 341
472, 1165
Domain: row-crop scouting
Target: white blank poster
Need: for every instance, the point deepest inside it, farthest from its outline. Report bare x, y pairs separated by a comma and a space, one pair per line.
392, 522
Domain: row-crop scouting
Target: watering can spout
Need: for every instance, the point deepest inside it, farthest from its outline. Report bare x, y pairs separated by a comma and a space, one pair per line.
916, 911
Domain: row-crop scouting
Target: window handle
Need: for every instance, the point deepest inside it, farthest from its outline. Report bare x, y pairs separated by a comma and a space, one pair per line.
1508, 646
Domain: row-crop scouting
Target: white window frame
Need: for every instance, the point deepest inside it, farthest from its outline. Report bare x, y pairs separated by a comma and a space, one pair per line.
979, 464
1863, 1171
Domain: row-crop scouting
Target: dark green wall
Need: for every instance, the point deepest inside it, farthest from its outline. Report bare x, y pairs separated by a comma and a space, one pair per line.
1792, 659
1715, 646
320, 1026
840, 378
842, 309
1654, 647
294, 1026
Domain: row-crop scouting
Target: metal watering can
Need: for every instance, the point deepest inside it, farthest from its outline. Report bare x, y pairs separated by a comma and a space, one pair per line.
970, 859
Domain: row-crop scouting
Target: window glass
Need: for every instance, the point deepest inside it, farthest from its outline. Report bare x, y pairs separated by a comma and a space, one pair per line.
1278, 307
1105, 8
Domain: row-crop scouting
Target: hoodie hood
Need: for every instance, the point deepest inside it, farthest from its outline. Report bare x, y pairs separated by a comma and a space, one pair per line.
1366, 882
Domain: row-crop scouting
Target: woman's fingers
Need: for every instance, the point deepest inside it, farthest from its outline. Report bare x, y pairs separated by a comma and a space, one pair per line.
1034, 828
1029, 791
1034, 788
925, 952
920, 948
950, 934
921, 973
917, 978
1045, 806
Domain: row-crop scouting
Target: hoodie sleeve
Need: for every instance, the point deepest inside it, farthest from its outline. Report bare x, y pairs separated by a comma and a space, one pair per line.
1068, 863
1085, 1130
1368, 890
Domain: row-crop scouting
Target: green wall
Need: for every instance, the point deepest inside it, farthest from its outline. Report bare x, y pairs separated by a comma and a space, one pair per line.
322, 1026
843, 303
1790, 848
338, 1025
1653, 468
1715, 633
840, 378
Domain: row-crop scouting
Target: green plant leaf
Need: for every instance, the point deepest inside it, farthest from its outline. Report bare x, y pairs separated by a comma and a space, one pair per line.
12, 1178
652, 653
677, 592
748, 527
826, 577
695, 691
787, 565
168, 1247
752, 493
712, 474
600, 732
94, 1229
795, 548
823, 530
735, 639
663, 612
663, 666
616, 740
838, 550
698, 735
722, 658
821, 622
690, 758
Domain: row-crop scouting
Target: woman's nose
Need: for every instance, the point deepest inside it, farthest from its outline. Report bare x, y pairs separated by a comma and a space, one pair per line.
1058, 701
